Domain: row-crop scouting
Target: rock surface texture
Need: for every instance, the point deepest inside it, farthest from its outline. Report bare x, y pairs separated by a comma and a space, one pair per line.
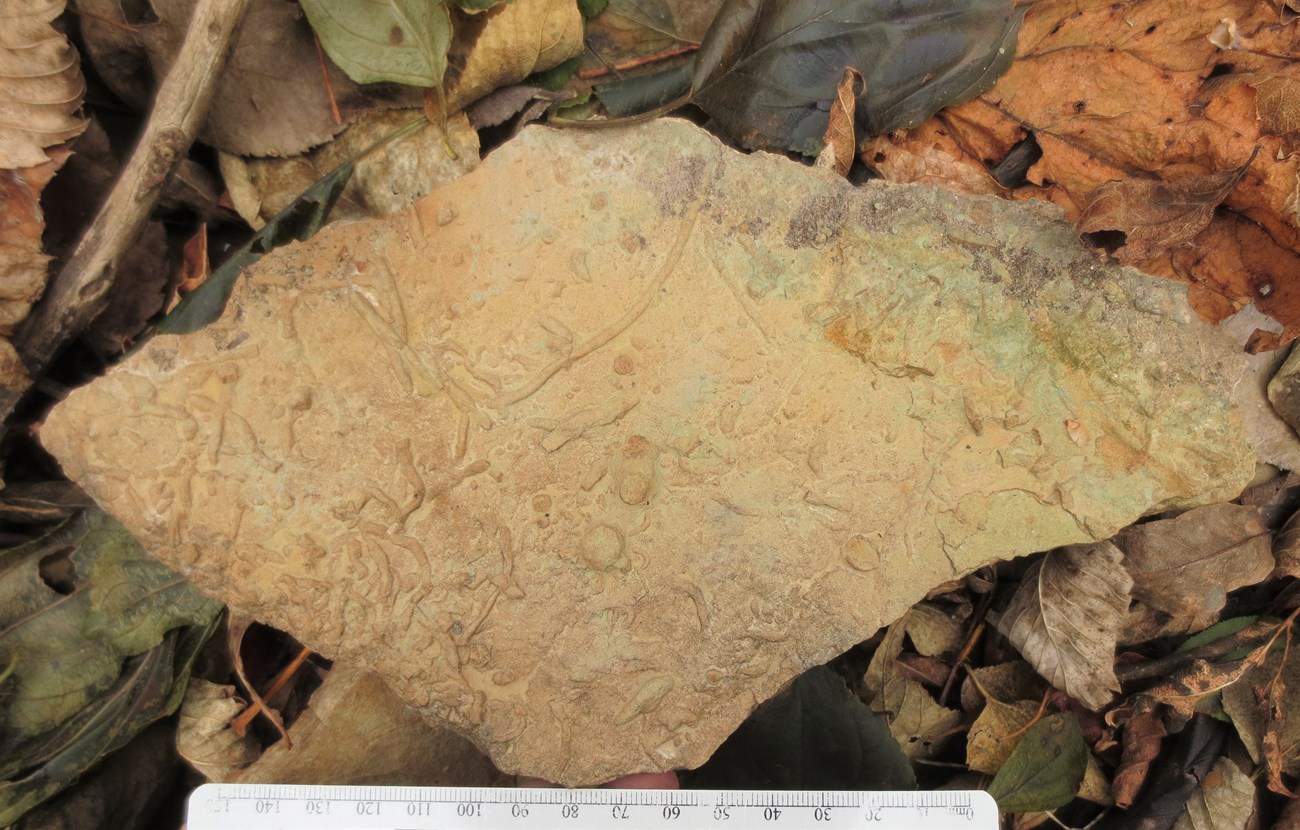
598, 446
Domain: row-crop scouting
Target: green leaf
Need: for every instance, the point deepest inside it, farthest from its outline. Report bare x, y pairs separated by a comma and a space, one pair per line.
97, 640
814, 735
473, 6
768, 70
591, 8
1218, 631
403, 41
297, 222
557, 76
1045, 769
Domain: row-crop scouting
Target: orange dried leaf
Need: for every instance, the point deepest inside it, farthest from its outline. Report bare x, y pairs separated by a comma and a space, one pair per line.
1277, 100
1156, 215
939, 161
195, 268
841, 141
1142, 736
1128, 92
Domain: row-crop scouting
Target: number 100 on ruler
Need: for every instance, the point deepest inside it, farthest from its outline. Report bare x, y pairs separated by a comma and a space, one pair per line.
309, 807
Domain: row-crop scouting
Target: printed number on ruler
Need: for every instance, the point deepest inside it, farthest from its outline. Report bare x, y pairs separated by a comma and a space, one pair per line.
280, 807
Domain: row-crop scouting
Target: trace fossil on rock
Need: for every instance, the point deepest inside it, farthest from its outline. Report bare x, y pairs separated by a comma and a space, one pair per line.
596, 447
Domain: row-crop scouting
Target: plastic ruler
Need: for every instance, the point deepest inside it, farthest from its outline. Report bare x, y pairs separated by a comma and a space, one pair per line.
311, 807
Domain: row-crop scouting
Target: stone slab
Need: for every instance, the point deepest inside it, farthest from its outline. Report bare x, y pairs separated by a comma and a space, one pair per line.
596, 447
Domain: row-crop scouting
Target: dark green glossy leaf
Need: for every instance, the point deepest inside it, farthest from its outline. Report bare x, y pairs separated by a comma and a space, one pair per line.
816, 735
96, 643
645, 92
1045, 769
768, 70
297, 222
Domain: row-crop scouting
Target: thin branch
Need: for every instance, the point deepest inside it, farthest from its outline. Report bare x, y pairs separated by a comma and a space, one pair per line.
79, 292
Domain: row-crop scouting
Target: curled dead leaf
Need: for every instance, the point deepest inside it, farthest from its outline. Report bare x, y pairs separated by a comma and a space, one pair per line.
204, 737
841, 141
1143, 732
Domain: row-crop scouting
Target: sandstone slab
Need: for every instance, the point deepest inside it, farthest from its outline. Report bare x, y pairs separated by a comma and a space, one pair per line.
596, 447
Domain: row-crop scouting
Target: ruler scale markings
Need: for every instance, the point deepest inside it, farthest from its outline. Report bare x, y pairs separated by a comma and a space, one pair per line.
315, 807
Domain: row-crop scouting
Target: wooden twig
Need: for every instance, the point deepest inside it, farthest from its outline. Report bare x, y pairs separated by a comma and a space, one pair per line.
80, 290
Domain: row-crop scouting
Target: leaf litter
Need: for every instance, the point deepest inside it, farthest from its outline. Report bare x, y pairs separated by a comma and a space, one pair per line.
1177, 132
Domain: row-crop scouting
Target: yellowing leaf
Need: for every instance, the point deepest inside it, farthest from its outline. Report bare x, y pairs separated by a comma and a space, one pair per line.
1066, 616
40, 83
403, 41
516, 40
990, 740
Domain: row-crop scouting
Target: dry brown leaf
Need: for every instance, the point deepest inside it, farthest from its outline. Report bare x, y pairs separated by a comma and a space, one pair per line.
1184, 691
40, 83
1015, 680
1265, 708
1116, 90
1008, 696
1185, 566
881, 668
1156, 215
384, 182
1286, 547
507, 44
1066, 616
933, 630
204, 737
1143, 733
1277, 101
1096, 786
915, 718
928, 671
931, 156
632, 31
195, 266
841, 140
1225, 800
